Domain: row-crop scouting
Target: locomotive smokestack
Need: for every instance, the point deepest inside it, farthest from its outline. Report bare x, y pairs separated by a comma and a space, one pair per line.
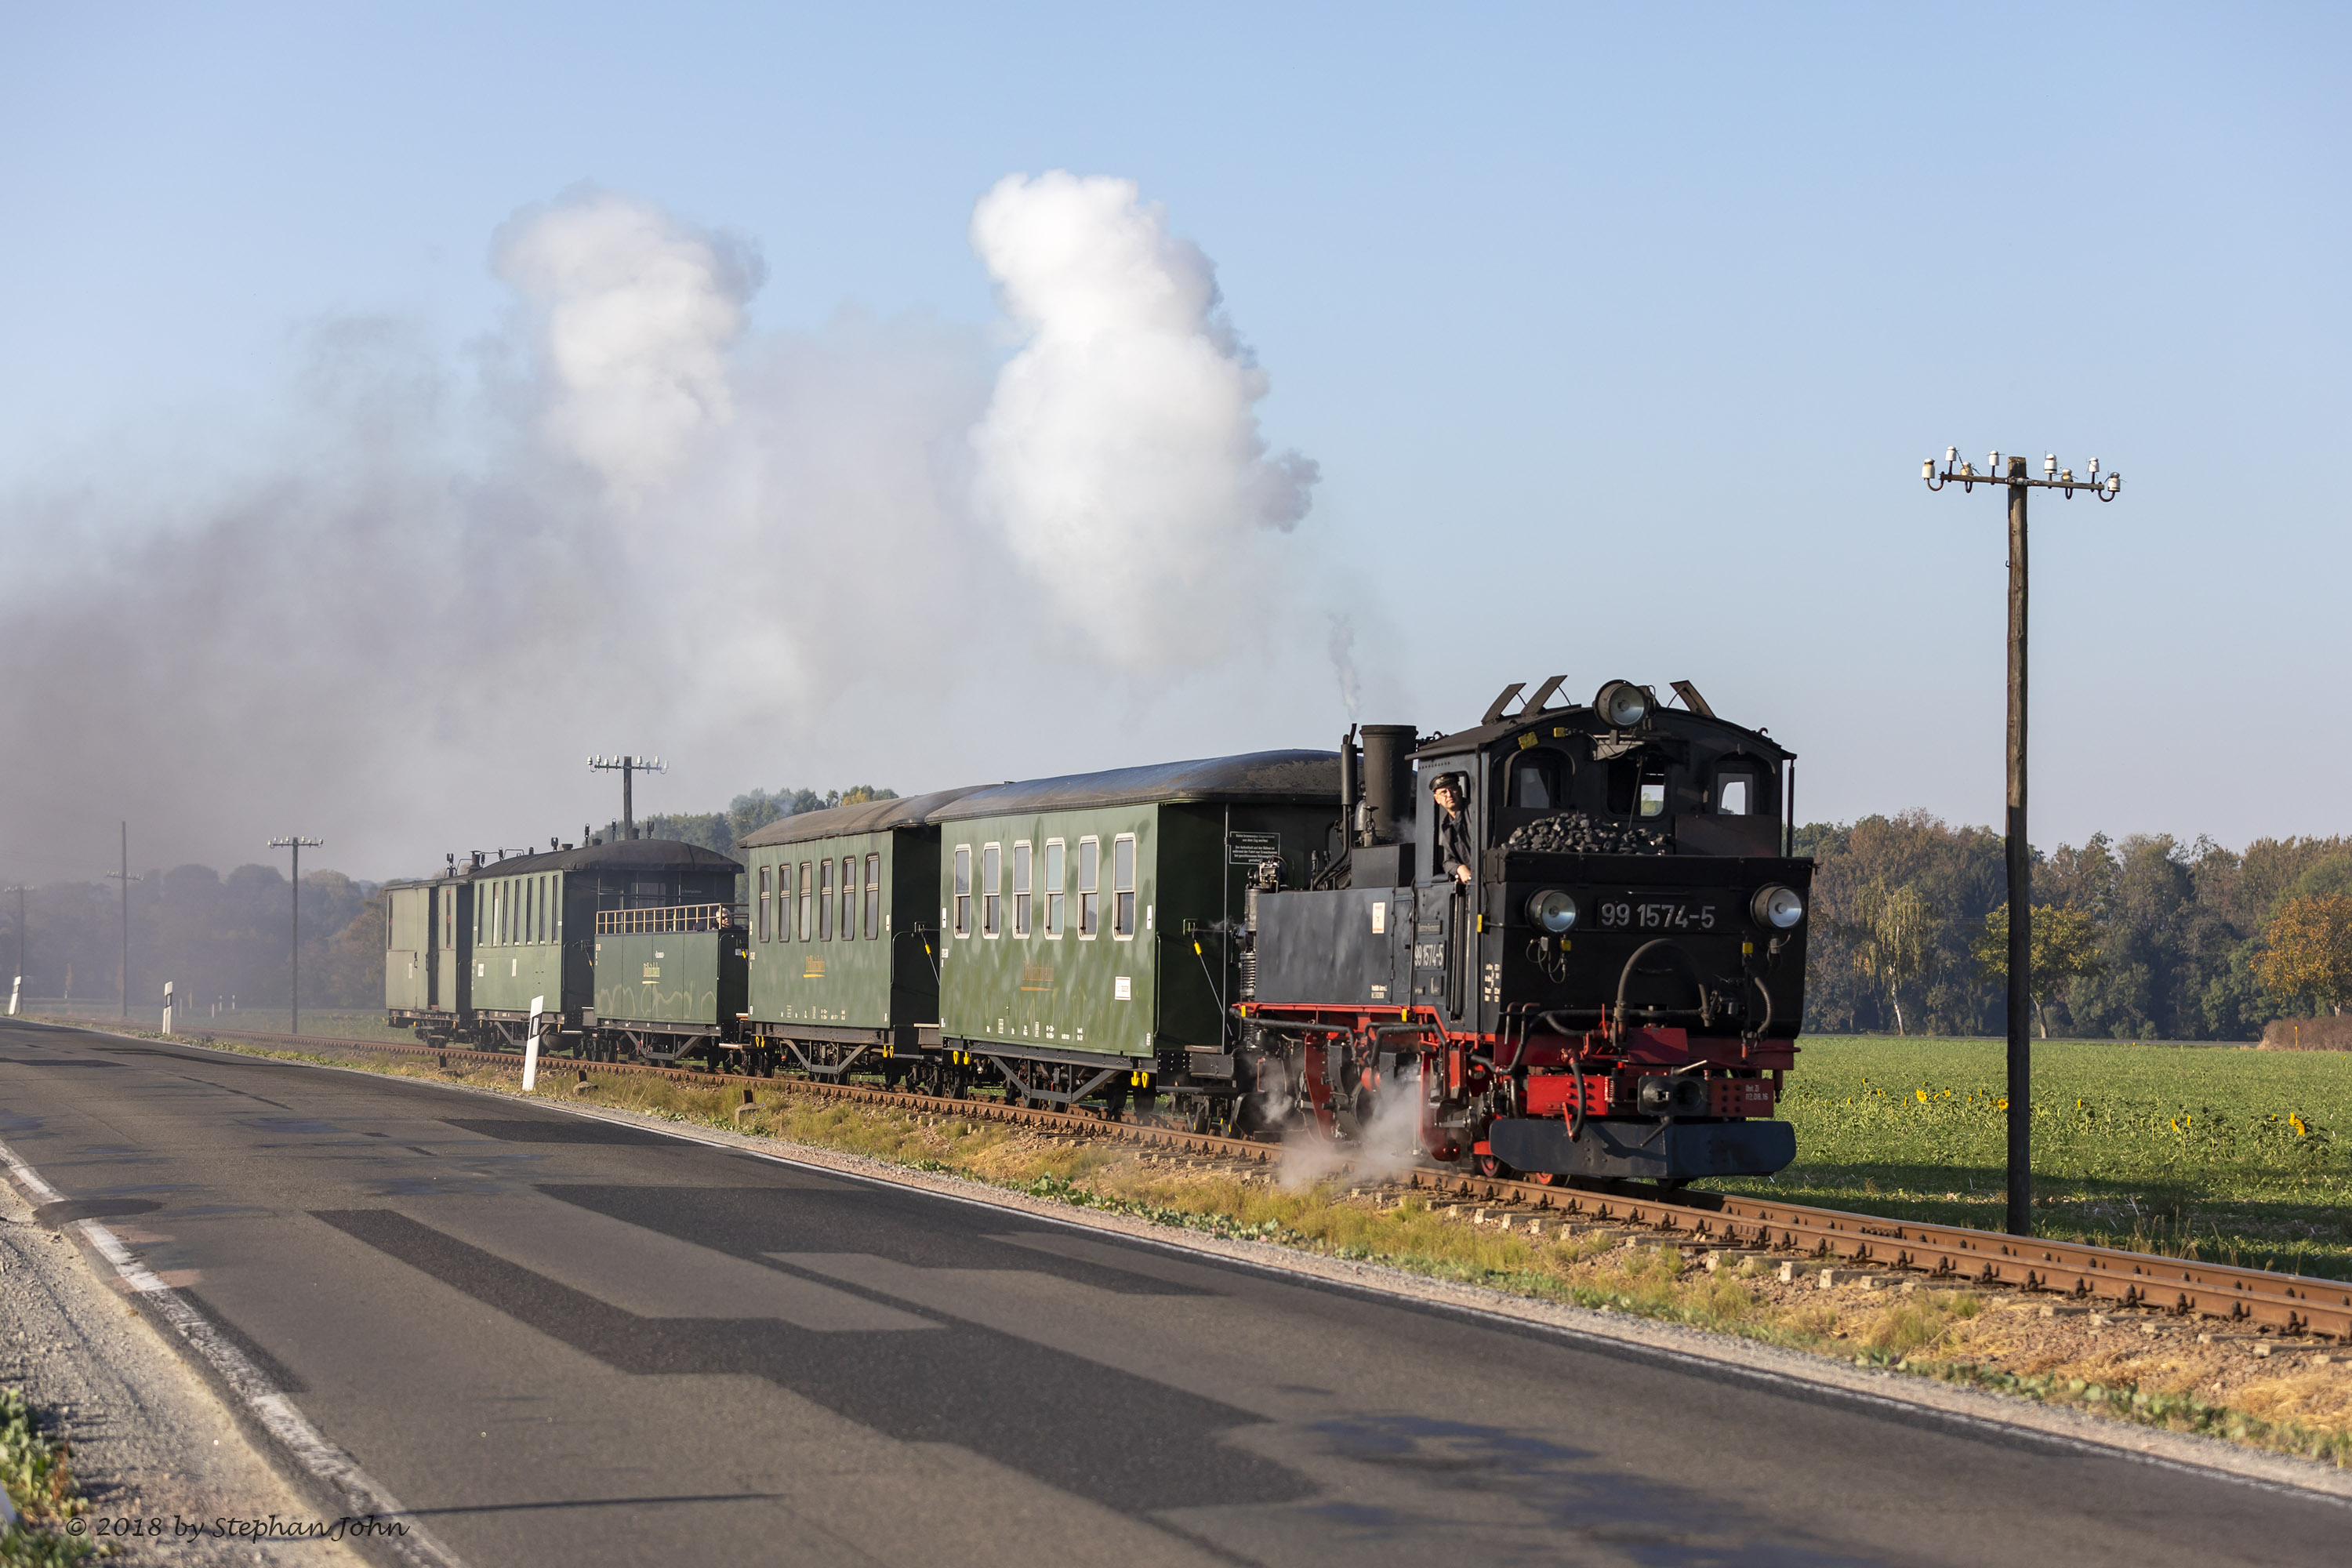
1348, 786
1387, 780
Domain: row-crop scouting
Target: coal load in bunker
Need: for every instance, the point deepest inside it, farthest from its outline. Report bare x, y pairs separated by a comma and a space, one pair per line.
1568, 942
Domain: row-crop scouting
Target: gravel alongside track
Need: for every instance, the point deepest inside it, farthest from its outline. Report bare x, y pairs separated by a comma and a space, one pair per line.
150, 1440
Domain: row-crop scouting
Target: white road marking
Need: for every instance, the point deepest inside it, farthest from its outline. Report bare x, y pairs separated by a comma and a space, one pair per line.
359, 1490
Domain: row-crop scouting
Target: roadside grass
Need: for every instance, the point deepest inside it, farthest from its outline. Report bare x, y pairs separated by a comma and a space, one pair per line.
2164, 1375
2212, 1151
37, 1472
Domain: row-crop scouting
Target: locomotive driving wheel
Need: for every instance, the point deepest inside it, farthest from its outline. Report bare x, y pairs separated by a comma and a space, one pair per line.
1489, 1165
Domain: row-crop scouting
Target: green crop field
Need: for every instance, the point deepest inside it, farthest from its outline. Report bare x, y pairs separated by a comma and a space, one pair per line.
2216, 1152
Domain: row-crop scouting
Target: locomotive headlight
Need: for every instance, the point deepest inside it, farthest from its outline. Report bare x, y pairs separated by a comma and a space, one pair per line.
1778, 907
1622, 703
1552, 910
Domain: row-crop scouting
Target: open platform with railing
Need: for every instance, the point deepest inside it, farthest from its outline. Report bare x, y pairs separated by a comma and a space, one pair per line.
655, 922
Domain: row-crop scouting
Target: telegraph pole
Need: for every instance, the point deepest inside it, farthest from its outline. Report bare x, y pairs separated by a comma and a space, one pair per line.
2017, 482
296, 843
126, 878
628, 768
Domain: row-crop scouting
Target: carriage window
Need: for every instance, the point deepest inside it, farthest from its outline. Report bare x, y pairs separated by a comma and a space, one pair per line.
539, 920
1089, 885
784, 901
808, 897
991, 888
824, 900
1536, 781
873, 897
963, 890
849, 897
1055, 883
1021, 889
1122, 884
763, 903
1735, 795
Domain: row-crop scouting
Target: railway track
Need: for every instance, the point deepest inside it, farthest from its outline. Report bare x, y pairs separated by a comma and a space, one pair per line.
2292, 1303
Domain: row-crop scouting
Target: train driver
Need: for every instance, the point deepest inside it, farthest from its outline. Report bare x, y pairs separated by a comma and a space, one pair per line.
1456, 852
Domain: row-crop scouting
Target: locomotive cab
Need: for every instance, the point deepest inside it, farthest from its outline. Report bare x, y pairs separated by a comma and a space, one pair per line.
1613, 990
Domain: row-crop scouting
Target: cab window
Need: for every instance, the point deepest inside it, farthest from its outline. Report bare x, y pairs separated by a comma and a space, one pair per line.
1535, 781
1735, 792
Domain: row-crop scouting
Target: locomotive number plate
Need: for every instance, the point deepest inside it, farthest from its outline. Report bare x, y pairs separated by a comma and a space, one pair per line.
1639, 912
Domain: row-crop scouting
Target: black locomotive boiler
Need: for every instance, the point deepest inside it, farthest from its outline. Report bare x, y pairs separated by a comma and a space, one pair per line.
1597, 970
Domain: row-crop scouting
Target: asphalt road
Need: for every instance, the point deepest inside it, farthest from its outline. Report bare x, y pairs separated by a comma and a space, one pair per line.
560, 1341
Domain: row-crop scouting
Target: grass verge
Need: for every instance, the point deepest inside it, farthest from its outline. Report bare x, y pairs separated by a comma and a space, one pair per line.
37, 1472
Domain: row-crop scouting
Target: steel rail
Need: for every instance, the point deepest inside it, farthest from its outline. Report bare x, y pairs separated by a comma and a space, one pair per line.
1957, 1253
2293, 1302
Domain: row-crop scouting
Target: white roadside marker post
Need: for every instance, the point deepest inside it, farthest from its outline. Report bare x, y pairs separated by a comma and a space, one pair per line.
531, 1046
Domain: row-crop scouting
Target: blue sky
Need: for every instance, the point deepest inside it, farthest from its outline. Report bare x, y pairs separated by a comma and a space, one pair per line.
1618, 333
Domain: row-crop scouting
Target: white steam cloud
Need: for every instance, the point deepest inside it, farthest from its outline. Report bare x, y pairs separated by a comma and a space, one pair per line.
644, 525
1121, 454
635, 316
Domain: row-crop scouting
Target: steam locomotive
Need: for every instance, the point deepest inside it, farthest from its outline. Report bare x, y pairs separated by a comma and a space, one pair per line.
1593, 968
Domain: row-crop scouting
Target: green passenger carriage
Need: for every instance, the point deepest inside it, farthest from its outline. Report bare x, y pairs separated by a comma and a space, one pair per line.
842, 957
1091, 921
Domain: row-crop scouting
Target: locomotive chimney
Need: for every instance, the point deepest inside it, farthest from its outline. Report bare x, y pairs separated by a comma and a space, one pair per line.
1348, 785
1387, 781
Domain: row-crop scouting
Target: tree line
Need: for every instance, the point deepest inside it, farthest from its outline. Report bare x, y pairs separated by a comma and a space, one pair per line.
224, 938
217, 937
2138, 938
